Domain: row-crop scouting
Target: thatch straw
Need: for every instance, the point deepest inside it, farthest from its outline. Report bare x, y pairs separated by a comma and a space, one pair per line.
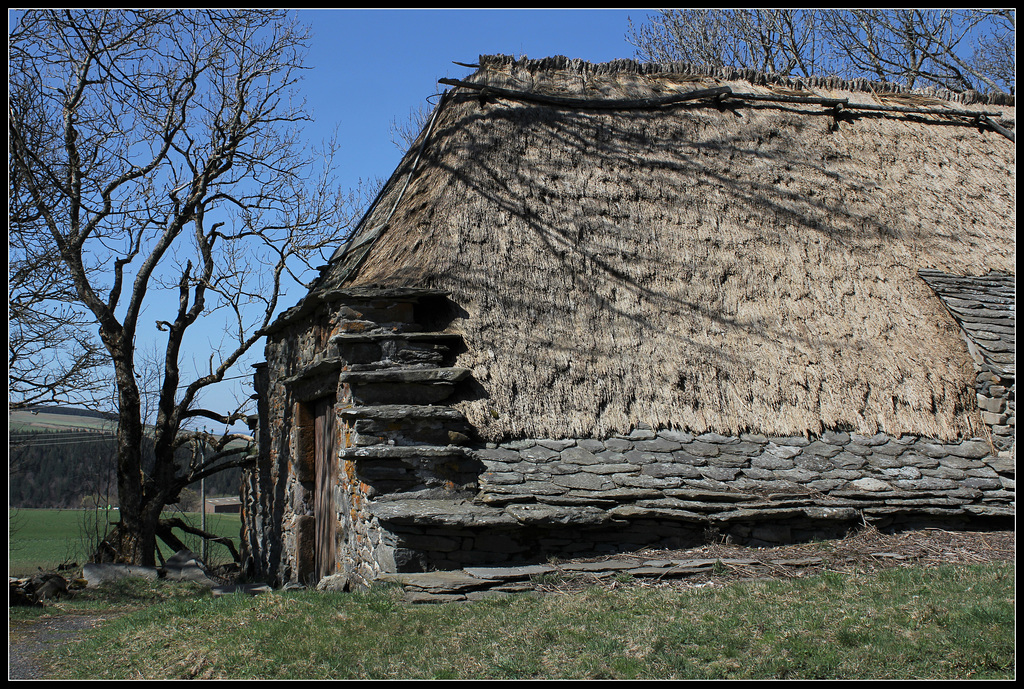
695, 268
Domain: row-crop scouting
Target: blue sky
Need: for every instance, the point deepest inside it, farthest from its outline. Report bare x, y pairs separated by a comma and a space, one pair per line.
369, 68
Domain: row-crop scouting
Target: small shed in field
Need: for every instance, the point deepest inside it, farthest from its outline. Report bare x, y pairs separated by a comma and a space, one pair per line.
603, 307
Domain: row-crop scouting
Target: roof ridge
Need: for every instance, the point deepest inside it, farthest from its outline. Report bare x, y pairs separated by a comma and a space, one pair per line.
753, 76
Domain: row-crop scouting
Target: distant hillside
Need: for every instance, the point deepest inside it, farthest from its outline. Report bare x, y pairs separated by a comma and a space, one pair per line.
72, 411
42, 418
58, 456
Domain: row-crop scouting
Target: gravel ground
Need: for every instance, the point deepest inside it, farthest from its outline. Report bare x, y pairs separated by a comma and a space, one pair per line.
866, 550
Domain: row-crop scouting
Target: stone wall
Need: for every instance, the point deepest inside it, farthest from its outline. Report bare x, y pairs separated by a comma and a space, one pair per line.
997, 400
841, 469
570, 498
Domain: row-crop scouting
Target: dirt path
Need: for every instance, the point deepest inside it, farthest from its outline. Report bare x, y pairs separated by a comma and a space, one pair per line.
27, 640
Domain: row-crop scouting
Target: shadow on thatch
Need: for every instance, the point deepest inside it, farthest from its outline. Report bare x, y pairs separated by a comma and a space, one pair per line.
705, 268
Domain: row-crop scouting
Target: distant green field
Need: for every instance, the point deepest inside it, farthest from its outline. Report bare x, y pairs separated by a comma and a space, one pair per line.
43, 539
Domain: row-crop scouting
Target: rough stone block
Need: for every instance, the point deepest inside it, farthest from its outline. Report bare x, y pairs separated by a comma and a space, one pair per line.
645, 481
729, 460
904, 472
702, 449
504, 478
556, 445
993, 419
618, 445
579, 455
781, 451
767, 461
813, 462
982, 483
759, 473
848, 460
499, 454
663, 469
870, 440
822, 449
538, 453
719, 473
975, 449
582, 480
835, 437
676, 436
870, 484
97, 574
657, 445
797, 475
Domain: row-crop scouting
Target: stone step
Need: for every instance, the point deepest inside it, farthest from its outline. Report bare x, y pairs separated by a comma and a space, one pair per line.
406, 452
403, 424
480, 583
420, 472
368, 310
395, 412
450, 513
383, 336
365, 308
406, 376
381, 350
403, 386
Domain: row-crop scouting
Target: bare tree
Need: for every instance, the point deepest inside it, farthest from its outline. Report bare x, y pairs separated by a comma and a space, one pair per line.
404, 134
778, 41
159, 154
912, 46
955, 49
995, 53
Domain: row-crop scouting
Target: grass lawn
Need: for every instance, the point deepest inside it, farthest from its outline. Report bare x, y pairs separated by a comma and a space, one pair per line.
44, 539
948, 622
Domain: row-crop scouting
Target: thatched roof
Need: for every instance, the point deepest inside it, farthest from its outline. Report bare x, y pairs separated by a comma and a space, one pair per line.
718, 265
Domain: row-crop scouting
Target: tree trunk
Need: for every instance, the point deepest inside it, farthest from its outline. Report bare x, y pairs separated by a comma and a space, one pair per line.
134, 541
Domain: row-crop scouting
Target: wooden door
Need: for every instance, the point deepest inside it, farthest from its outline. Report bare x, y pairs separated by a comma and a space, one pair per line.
324, 510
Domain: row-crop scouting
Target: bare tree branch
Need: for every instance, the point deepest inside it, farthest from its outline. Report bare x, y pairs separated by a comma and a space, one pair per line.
959, 50
158, 153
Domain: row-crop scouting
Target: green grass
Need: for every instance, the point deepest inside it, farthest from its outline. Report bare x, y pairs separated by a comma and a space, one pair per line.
952, 622
44, 539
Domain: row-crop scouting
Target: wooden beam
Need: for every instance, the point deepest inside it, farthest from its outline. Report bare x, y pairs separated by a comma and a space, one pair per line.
589, 103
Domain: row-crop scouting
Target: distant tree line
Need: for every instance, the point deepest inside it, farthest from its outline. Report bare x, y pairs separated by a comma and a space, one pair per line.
74, 469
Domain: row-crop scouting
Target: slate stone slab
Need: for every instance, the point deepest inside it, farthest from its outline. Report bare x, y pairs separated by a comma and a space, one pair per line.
507, 573
243, 589
596, 566
96, 574
445, 581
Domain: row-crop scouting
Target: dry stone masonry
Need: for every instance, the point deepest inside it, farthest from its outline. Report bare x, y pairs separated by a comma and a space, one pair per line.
412, 490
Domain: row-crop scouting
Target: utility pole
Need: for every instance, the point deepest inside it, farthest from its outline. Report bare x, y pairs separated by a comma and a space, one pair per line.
202, 492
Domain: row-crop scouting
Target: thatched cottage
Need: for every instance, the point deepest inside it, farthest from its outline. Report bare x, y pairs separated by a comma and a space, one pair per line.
603, 307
